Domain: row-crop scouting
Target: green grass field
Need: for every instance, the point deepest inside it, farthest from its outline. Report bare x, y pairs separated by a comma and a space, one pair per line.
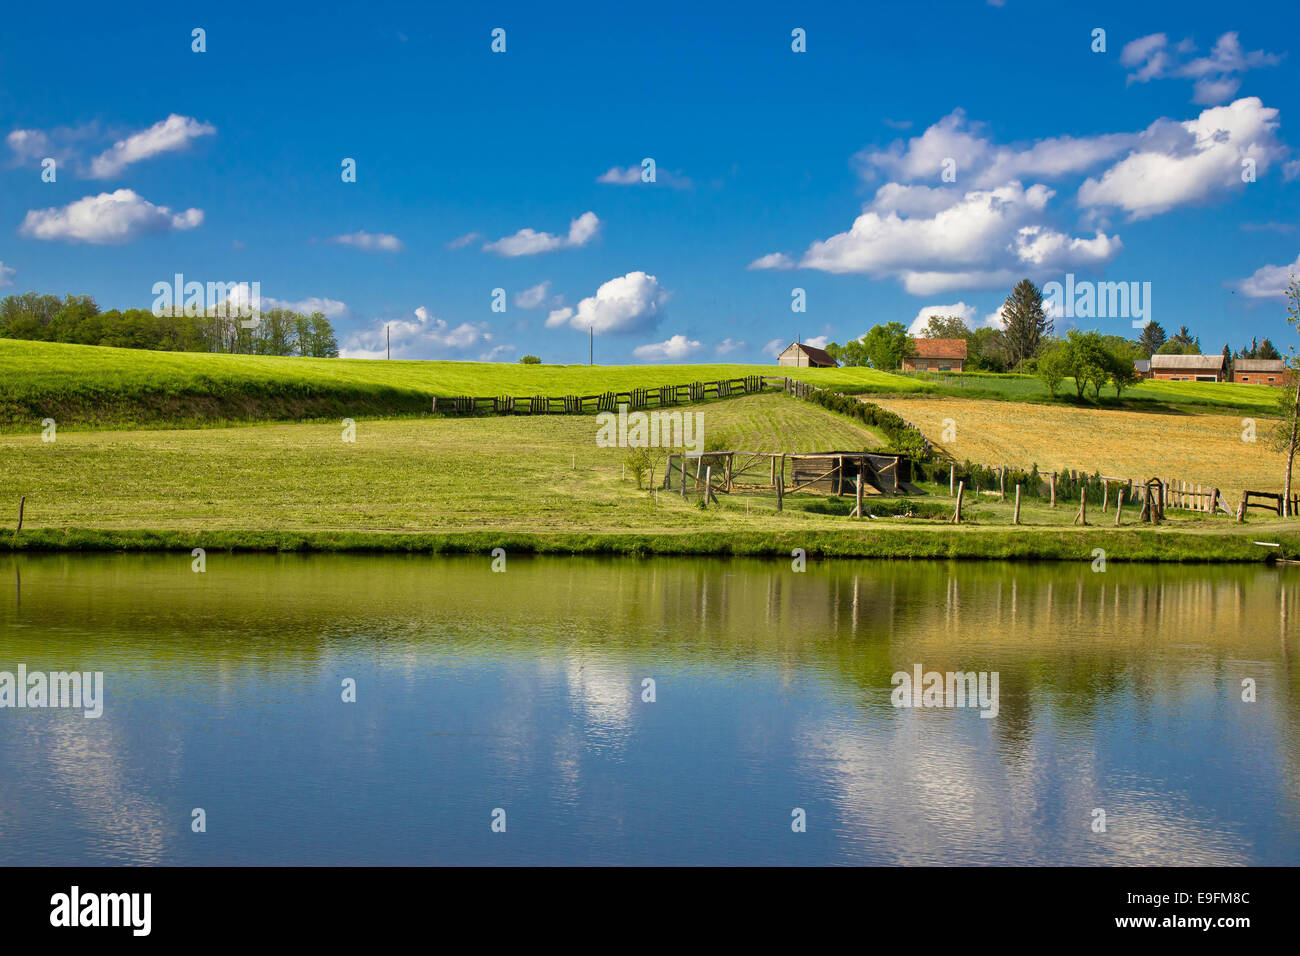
525, 483
82, 385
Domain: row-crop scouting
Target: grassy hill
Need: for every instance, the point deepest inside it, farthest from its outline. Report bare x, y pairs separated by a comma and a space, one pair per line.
87, 384
106, 387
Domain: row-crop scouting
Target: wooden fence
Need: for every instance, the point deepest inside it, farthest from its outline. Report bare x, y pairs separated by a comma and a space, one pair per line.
662, 396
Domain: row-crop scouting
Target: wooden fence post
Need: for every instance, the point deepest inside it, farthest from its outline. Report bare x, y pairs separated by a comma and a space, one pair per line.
780, 491
1015, 517
1082, 516
1105, 495
1002, 483
956, 514
708, 485
952, 478
1052, 480
22, 502
1119, 508
857, 493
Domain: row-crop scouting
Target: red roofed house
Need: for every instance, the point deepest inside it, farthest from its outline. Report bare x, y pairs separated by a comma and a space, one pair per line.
936, 355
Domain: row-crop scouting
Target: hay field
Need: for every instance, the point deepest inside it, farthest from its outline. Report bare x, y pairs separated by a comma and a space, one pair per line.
1201, 448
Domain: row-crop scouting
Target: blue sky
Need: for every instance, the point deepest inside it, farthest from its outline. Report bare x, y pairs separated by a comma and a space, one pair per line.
820, 170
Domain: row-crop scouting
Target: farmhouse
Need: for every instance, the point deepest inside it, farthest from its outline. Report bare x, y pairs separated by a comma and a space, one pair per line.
1259, 371
1187, 368
936, 355
798, 355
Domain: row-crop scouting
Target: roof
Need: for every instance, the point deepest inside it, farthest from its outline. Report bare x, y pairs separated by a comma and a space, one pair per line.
1258, 365
1209, 363
940, 348
1142, 365
814, 353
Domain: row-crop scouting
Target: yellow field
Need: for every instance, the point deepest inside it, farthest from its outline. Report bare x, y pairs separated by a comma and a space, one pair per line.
1203, 449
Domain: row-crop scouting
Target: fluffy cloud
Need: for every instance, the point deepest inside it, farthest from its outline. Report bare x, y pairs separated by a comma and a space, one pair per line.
773, 260
529, 242
460, 242
675, 348
630, 303
983, 163
175, 132
1189, 162
631, 176
29, 144
115, 217
775, 347
6, 274
960, 310
533, 296
1269, 282
978, 239
1217, 76
241, 295
425, 336
369, 241
727, 346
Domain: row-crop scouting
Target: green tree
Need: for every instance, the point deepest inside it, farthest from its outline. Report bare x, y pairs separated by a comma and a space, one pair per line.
530, 360
1286, 434
1152, 337
1054, 365
1027, 324
885, 346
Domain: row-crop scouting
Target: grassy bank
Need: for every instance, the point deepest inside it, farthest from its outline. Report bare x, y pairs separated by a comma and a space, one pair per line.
1040, 544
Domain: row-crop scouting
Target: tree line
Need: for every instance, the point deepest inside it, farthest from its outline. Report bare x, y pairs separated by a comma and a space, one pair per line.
78, 319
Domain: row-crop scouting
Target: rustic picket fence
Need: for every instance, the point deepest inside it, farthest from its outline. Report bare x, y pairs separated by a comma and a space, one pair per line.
635, 399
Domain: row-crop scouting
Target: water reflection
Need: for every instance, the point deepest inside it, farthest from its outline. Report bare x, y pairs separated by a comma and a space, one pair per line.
1119, 690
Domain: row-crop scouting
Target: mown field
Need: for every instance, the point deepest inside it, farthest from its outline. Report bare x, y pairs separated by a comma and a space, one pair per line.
1200, 447
83, 385
531, 484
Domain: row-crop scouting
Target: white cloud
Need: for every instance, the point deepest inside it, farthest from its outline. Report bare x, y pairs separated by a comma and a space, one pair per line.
529, 242
424, 337
982, 163
981, 239
773, 260
369, 241
675, 348
629, 303
1217, 76
241, 295
175, 132
1269, 282
817, 341
534, 296
115, 217
1290, 170
727, 346
1189, 162
631, 176
494, 354
29, 145
775, 347
460, 242
960, 310
6, 274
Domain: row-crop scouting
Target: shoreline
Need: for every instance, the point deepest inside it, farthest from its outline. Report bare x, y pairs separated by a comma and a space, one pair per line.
905, 543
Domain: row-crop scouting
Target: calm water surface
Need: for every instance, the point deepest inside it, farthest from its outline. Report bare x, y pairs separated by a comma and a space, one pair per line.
477, 690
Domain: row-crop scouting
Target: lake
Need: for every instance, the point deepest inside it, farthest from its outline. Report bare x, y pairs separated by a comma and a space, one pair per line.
652, 711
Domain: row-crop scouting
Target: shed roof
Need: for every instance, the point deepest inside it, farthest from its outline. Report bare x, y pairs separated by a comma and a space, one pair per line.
1208, 363
1258, 365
